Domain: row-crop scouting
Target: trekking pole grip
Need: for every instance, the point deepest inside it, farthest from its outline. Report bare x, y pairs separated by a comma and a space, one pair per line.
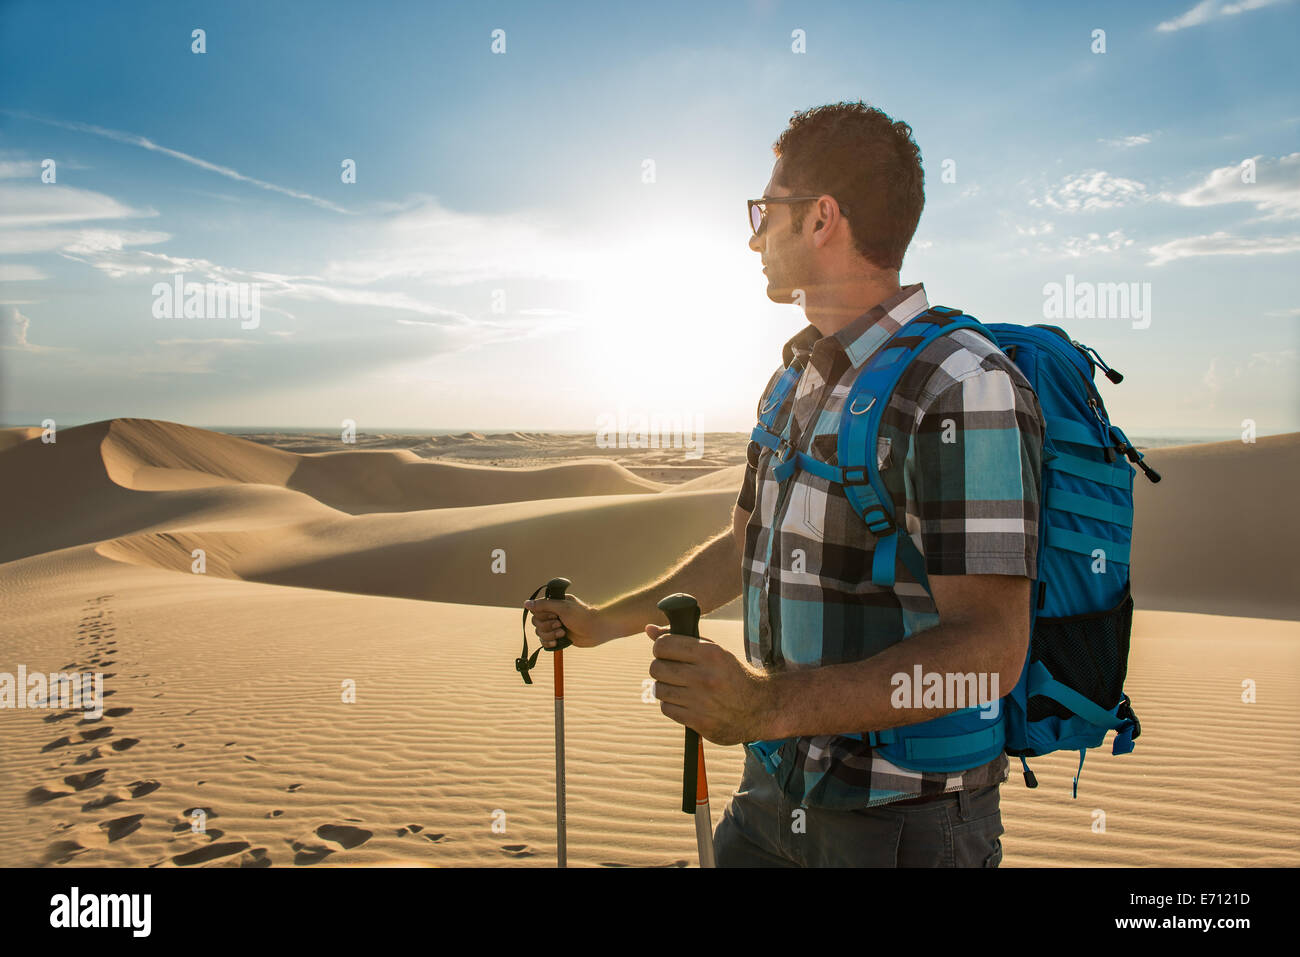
683, 613
555, 592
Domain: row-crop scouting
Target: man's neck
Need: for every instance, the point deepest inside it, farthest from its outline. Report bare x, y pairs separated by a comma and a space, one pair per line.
833, 305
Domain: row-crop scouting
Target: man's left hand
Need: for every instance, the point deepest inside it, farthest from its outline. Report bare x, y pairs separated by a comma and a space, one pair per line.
703, 686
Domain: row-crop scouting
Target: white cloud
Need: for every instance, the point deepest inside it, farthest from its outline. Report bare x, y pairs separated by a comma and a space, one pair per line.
1094, 244
1262, 370
1222, 244
434, 244
1203, 12
13, 328
17, 272
18, 169
133, 139
35, 204
1274, 192
1092, 189
50, 240
1126, 142
1208, 10
1034, 229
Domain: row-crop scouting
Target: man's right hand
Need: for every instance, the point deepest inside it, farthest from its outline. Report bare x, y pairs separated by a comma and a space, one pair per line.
573, 618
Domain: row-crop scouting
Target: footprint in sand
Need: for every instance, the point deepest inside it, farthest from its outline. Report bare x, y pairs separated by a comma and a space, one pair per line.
96, 734
136, 789
120, 827
103, 802
125, 744
43, 793
517, 850
185, 820
332, 837
62, 742
93, 754
140, 788
87, 779
211, 852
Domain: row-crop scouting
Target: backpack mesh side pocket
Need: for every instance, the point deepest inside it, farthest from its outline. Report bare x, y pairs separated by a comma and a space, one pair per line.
1089, 653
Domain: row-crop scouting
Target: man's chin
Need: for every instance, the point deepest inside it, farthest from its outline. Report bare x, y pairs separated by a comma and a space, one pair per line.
780, 294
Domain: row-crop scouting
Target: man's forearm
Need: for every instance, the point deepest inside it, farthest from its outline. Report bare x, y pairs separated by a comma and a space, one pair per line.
855, 697
711, 572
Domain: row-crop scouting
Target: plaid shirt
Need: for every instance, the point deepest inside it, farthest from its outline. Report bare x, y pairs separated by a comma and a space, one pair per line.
971, 507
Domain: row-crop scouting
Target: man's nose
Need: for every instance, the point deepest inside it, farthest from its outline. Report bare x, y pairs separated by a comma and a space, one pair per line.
756, 243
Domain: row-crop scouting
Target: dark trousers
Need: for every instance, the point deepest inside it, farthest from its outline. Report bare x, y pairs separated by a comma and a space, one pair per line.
761, 829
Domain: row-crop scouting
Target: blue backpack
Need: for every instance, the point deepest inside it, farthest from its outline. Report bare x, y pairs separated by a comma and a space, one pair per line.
1070, 691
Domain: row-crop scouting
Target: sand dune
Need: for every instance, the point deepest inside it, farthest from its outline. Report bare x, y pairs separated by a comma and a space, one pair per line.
451, 554
132, 475
1219, 533
12, 436
374, 567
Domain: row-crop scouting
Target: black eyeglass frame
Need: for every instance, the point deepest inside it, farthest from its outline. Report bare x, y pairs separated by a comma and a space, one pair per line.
764, 200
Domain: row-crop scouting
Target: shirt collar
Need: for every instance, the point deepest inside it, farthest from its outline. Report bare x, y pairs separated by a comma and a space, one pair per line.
864, 335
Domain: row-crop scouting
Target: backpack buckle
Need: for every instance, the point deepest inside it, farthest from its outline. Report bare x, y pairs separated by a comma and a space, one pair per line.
878, 521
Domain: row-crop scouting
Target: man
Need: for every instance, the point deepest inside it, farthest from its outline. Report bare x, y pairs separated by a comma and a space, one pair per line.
960, 451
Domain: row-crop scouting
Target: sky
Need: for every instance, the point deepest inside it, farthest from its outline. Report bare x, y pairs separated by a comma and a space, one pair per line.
545, 228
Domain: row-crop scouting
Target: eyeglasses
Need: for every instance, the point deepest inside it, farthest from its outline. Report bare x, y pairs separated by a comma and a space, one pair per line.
758, 214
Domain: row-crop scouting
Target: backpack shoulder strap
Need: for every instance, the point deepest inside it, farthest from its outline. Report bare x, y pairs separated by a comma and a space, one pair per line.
860, 427
775, 398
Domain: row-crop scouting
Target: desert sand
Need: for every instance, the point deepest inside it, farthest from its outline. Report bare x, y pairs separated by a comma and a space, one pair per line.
374, 569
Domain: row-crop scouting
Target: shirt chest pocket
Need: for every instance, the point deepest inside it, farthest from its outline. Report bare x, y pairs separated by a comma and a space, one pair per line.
809, 503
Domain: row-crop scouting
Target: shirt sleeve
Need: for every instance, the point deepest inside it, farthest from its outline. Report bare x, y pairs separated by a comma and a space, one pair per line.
974, 468
749, 488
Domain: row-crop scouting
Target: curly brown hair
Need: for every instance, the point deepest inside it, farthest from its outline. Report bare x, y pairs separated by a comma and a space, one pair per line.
867, 161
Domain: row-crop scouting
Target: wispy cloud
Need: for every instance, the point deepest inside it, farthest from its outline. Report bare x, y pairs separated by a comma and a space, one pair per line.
32, 204
1090, 190
1127, 142
13, 328
429, 242
16, 272
133, 139
1208, 10
1274, 188
1222, 244
1093, 244
75, 240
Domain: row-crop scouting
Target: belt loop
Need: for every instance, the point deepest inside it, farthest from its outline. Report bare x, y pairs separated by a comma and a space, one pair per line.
963, 804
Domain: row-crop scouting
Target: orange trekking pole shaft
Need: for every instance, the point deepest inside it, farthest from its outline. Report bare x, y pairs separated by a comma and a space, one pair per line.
683, 613
555, 589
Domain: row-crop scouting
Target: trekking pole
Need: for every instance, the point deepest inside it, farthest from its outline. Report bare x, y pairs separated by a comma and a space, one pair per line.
554, 592
683, 613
